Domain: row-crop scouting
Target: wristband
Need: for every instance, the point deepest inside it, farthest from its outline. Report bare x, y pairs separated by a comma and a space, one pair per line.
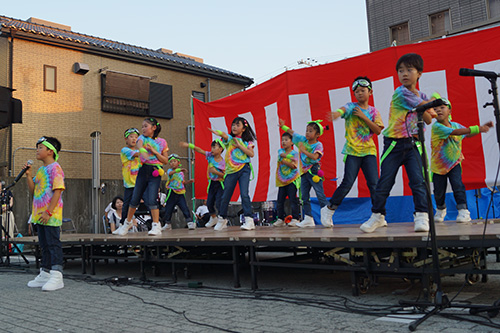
436, 95
48, 213
178, 170
340, 111
219, 132
289, 156
190, 145
474, 130
285, 128
143, 150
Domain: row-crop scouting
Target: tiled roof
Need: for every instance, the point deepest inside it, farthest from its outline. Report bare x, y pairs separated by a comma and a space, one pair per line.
126, 49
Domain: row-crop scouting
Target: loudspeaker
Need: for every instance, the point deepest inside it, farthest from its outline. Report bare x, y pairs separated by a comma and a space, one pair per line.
80, 68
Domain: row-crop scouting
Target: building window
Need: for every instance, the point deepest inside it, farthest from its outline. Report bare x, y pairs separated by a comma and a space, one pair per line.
199, 96
49, 78
400, 34
160, 101
440, 23
494, 8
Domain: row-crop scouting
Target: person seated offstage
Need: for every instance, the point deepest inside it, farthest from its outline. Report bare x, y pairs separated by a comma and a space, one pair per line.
202, 214
7, 202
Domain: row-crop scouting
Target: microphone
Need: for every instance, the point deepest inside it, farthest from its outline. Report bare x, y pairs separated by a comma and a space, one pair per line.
18, 177
430, 105
475, 72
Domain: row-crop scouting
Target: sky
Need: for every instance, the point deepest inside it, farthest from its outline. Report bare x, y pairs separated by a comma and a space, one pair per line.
259, 39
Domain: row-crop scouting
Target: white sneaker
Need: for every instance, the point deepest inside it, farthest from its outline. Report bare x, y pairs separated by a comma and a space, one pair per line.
55, 281
123, 229
375, 221
248, 224
326, 217
155, 229
440, 214
40, 280
421, 221
212, 222
293, 223
167, 226
307, 222
463, 216
279, 223
221, 224
191, 225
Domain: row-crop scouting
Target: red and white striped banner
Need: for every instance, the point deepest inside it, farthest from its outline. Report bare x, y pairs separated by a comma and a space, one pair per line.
311, 93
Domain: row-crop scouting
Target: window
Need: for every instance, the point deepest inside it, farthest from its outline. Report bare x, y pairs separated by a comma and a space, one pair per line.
49, 78
160, 101
494, 8
199, 96
440, 23
400, 34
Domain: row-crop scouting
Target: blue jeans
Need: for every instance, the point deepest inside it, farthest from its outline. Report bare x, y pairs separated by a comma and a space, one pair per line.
174, 199
243, 178
146, 187
214, 196
289, 191
440, 182
404, 153
51, 248
368, 164
306, 183
127, 197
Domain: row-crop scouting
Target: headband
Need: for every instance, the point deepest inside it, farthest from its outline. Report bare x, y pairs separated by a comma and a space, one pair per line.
219, 141
43, 141
317, 122
131, 131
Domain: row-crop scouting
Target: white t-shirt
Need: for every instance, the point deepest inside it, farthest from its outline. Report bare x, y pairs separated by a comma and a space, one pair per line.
202, 210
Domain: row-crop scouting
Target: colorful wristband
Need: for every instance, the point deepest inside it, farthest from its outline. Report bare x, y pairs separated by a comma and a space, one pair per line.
48, 213
190, 145
436, 95
340, 111
285, 128
289, 156
143, 150
219, 132
474, 130
178, 170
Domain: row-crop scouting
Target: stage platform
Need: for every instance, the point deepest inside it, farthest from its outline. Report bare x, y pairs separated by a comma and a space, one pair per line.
395, 251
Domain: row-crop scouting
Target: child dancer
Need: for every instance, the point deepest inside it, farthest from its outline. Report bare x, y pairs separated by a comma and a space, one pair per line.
287, 180
130, 167
175, 192
239, 145
400, 146
311, 151
154, 153
362, 121
47, 187
446, 142
216, 170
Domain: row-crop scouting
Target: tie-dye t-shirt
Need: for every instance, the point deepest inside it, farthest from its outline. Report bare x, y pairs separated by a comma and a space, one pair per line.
159, 144
403, 100
48, 179
446, 148
359, 137
130, 166
219, 166
306, 162
284, 174
235, 157
176, 182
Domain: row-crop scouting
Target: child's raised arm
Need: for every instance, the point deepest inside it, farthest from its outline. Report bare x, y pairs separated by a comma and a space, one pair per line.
473, 130
192, 146
285, 128
219, 133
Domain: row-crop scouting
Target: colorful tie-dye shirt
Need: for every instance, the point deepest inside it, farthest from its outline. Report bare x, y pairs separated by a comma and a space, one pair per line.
219, 166
306, 162
446, 148
235, 157
359, 137
403, 100
175, 182
130, 166
159, 144
284, 174
48, 179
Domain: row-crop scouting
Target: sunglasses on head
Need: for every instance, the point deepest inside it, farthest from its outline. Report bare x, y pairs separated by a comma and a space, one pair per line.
130, 131
361, 83
42, 139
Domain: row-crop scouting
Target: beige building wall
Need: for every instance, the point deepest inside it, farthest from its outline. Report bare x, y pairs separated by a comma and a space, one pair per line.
73, 112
